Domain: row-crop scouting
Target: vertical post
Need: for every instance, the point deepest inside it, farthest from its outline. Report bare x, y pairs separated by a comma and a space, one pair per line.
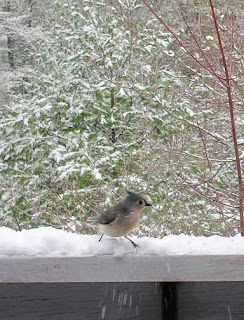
169, 301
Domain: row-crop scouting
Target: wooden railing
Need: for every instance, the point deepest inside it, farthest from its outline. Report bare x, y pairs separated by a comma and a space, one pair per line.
132, 287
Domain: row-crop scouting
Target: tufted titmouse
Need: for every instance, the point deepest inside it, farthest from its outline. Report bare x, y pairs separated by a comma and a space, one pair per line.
122, 218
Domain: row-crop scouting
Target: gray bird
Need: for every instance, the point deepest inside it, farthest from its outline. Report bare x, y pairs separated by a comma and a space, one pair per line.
122, 218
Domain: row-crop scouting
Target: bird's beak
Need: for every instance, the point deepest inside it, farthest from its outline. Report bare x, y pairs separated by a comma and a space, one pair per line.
148, 204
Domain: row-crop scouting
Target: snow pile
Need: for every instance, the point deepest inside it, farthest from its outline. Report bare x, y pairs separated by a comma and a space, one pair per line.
50, 242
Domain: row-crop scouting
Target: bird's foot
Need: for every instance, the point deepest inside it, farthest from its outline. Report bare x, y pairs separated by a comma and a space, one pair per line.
133, 243
100, 238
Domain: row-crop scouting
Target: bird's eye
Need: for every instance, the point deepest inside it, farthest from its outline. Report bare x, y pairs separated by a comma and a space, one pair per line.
140, 202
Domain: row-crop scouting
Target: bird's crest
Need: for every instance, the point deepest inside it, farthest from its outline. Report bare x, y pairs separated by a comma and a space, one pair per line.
133, 196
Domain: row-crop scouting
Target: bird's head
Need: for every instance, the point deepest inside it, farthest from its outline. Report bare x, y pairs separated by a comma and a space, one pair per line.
136, 202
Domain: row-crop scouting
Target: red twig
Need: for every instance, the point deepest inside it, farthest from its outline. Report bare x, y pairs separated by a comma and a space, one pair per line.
210, 169
203, 194
179, 41
201, 51
220, 43
232, 119
231, 45
205, 149
227, 83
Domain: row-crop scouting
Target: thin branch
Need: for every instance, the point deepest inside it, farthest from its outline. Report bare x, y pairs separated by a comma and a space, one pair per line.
222, 84
177, 39
232, 119
17, 221
210, 170
220, 43
224, 161
231, 46
204, 195
218, 137
201, 51
205, 149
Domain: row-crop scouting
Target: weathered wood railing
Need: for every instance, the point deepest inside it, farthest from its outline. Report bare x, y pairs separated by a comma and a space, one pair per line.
128, 287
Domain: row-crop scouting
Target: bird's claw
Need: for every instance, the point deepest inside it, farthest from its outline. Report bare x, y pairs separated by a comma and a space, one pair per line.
135, 245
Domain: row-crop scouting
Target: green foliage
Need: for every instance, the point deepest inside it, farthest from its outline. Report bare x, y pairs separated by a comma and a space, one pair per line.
101, 111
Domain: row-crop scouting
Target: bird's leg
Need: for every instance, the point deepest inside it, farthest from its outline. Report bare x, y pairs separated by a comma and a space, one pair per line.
101, 237
133, 243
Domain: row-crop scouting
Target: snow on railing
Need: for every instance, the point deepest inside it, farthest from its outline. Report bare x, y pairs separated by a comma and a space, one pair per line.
50, 255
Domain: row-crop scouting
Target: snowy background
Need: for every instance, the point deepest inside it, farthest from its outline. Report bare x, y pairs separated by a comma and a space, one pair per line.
97, 97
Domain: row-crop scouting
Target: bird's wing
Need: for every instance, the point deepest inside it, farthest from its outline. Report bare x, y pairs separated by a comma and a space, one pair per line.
104, 218
117, 211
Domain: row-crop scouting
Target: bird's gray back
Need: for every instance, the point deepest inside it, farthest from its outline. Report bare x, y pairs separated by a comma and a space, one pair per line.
121, 209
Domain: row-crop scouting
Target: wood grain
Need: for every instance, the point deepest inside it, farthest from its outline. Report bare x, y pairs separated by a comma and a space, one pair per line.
130, 268
80, 301
210, 301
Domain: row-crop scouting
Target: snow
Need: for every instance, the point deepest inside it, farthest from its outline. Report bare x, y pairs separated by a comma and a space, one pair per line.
240, 141
209, 38
50, 242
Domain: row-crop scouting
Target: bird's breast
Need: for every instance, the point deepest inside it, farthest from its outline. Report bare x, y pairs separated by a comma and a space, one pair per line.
121, 226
